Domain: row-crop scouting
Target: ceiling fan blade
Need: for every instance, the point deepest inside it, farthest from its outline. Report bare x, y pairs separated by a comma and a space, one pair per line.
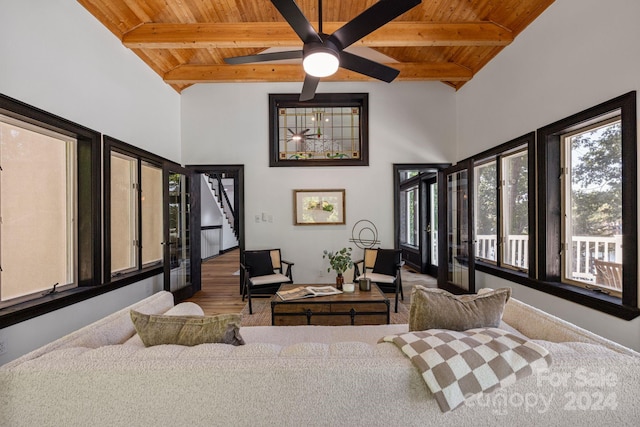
300, 24
370, 20
367, 67
262, 57
309, 87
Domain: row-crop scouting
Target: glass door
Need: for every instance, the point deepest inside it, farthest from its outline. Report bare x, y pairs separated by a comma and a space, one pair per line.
429, 189
177, 235
456, 246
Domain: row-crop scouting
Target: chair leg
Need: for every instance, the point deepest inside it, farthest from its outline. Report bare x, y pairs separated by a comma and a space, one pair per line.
399, 289
249, 297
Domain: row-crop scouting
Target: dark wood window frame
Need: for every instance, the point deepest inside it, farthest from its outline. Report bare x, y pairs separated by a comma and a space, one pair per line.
497, 154
288, 100
114, 145
545, 221
549, 208
90, 225
89, 245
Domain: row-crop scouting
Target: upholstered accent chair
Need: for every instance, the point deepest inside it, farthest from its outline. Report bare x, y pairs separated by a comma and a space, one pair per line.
263, 273
381, 266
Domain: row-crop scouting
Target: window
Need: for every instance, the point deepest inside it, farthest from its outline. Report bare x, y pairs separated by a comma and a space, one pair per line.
587, 212
587, 217
592, 206
501, 218
135, 217
38, 210
50, 211
515, 209
152, 226
409, 207
433, 220
579, 241
124, 207
329, 130
486, 218
410, 218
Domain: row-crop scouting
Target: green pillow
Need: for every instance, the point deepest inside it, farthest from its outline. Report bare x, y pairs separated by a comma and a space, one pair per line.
439, 309
156, 329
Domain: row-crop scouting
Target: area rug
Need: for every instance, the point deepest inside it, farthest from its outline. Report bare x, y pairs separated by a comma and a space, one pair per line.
262, 312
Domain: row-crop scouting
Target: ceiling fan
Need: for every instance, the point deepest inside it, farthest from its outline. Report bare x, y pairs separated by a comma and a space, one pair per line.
299, 136
322, 53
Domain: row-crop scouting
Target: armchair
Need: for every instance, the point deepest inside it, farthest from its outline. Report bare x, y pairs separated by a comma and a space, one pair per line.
385, 267
263, 273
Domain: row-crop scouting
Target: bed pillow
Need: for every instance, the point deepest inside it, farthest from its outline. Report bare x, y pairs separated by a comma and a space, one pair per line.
157, 329
439, 309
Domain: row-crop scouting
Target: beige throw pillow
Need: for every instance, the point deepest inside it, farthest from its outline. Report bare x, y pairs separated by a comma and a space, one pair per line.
156, 329
439, 309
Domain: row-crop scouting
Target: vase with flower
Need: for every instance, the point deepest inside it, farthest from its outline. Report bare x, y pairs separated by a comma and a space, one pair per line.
339, 261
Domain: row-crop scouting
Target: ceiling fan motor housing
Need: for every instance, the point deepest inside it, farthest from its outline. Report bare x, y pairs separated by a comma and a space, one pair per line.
321, 59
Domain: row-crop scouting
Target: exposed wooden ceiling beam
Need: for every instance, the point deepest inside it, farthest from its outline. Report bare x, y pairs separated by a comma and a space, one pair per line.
272, 34
189, 74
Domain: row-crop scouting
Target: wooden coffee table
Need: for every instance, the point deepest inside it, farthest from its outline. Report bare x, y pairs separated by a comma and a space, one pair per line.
348, 308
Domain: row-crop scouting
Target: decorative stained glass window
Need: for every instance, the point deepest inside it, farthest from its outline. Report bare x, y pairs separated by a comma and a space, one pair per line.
330, 130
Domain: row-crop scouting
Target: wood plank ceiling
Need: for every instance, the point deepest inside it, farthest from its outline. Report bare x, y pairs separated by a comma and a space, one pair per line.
186, 41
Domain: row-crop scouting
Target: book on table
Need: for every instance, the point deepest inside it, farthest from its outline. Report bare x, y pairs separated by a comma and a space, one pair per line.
307, 292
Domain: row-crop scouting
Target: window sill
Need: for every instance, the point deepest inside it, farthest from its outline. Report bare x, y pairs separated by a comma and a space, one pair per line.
588, 298
37, 307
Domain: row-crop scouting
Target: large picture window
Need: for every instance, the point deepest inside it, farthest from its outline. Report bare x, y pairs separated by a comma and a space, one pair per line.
38, 210
588, 212
592, 206
50, 238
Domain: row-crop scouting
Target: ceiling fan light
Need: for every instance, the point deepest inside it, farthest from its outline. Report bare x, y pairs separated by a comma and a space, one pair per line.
321, 62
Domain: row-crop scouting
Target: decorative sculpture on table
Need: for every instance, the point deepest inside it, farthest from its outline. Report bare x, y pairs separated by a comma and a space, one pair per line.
364, 235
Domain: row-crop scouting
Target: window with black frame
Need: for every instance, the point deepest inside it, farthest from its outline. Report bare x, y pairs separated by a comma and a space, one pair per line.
587, 214
135, 215
49, 205
579, 240
501, 203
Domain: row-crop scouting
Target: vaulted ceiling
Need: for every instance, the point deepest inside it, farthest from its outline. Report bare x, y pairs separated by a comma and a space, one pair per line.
186, 41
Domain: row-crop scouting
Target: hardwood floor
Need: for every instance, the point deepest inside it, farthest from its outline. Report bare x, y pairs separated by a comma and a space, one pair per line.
220, 291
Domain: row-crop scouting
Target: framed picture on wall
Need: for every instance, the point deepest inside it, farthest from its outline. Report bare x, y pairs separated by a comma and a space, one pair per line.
318, 207
329, 130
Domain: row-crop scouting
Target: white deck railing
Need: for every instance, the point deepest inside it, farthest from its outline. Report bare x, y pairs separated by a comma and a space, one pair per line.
585, 249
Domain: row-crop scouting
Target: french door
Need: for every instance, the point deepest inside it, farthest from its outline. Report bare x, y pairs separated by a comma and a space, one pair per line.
456, 254
177, 238
429, 246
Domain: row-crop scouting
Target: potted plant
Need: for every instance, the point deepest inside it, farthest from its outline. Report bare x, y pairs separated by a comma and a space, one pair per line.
339, 261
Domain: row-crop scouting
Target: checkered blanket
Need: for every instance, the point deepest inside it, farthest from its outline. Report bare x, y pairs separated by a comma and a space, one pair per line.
460, 365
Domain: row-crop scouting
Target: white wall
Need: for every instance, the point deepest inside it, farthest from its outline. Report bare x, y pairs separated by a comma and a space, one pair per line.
577, 54
57, 57
228, 124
